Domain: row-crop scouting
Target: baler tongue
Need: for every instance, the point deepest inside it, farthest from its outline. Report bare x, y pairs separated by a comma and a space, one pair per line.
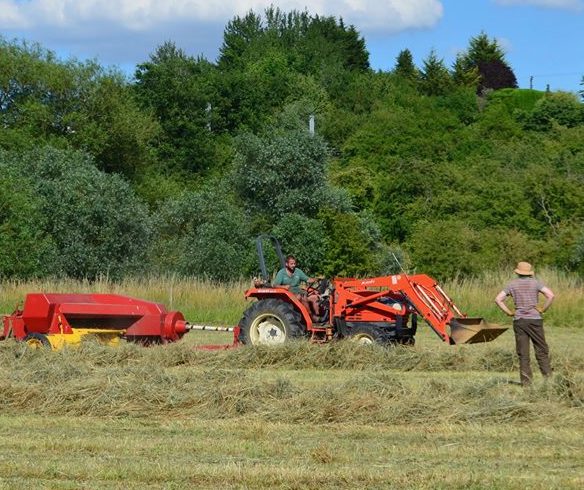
474, 330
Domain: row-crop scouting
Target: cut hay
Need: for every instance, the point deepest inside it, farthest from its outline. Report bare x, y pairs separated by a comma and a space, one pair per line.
295, 382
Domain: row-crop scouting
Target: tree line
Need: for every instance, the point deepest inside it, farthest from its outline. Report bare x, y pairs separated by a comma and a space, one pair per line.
451, 170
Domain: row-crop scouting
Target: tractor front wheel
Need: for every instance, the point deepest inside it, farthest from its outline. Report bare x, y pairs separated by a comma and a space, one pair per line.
270, 322
409, 340
368, 334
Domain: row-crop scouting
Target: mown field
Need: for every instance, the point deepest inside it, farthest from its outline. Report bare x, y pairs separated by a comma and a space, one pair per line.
299, 416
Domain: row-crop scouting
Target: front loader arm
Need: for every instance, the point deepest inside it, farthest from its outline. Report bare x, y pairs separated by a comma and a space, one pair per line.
431, 302
422, 292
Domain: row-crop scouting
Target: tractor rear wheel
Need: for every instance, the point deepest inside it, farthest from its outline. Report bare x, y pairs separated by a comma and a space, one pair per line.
369, 334
37, 341
270, 322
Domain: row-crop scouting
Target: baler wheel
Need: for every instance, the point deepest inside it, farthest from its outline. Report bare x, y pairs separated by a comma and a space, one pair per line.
367, 335
37, 341
270, 322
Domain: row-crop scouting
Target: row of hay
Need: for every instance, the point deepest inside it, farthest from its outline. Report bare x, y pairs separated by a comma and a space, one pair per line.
294, 355
98, 381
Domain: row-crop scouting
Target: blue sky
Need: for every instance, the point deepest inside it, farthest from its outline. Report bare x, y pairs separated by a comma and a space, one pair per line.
542, 38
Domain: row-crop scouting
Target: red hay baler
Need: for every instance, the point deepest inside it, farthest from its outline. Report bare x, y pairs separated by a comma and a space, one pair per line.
58, 319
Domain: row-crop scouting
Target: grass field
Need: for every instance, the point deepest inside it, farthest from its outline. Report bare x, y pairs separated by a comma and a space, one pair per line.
298, 416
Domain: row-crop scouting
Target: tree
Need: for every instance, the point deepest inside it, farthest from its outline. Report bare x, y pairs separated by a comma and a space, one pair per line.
281, 172
351, 245
330, 41
26, 249
305, 238
488, 58
202, 234
262, 57
560, 108
577, 259
307, 41
113, 129
178, 90
239, 34
404, 66
95, 221
71, 104
481, 48
465, 74
435, 77
496, 75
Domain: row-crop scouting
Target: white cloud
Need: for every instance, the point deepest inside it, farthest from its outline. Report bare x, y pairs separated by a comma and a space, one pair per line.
138, 15
10, 15
576, 5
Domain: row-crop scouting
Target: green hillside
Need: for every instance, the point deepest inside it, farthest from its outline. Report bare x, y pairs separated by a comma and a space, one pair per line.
452, 168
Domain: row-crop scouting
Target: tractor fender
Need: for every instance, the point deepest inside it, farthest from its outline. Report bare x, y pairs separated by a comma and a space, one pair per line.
284, 295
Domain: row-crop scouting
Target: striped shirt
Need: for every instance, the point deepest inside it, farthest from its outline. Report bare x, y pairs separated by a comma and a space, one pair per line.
524, 291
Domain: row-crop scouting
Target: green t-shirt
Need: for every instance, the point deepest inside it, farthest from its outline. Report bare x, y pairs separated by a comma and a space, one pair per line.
283, 279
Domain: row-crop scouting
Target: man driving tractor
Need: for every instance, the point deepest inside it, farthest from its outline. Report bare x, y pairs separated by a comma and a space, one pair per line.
290, 277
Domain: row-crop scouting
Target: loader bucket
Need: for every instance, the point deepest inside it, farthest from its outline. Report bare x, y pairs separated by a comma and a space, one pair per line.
473, 330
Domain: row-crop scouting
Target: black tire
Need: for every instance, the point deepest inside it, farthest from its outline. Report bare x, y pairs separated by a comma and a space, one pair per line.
37, 341
370, 334
408, 341
270, 322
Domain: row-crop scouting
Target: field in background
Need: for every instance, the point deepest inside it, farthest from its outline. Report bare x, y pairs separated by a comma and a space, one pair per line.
298, 416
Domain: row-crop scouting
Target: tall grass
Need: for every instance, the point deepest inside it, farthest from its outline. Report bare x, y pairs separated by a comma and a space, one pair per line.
476, 296
223, 303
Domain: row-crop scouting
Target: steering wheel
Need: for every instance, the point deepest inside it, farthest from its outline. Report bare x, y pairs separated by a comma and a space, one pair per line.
314, 287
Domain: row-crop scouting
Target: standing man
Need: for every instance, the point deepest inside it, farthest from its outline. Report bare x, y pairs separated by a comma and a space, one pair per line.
527, 319
290, 278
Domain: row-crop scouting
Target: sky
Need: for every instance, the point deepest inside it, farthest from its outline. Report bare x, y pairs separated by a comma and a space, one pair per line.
542, 39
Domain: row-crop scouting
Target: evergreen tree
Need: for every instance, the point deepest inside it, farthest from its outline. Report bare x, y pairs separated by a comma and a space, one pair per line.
435, 77
404, 66
463, 74
481, 48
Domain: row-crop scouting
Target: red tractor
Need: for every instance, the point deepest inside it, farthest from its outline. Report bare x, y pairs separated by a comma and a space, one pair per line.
380, 309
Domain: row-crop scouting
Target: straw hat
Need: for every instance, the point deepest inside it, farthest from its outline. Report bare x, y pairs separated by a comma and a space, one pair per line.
524, 269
